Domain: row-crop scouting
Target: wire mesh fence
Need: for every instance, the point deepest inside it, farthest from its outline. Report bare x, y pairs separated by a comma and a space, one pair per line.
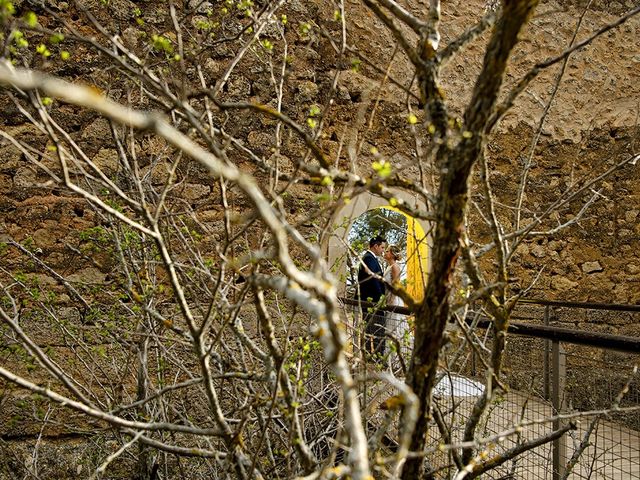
549, 385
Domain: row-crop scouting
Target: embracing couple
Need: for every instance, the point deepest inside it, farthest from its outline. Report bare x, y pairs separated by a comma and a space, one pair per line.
371, 288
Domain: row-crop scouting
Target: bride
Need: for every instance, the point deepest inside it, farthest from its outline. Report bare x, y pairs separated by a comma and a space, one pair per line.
396, 323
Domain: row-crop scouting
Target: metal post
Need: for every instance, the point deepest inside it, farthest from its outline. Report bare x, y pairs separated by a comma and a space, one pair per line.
473, 363
474, 360
557, 397
547, 354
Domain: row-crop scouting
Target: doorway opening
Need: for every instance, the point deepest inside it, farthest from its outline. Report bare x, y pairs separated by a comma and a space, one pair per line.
398, 229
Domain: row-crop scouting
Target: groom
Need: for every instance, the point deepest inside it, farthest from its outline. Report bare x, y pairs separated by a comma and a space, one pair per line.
371, 289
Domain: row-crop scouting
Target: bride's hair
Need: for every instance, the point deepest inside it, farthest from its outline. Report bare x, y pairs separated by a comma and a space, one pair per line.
397, 253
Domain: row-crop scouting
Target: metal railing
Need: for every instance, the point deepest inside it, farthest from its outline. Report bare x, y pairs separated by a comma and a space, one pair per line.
553, 369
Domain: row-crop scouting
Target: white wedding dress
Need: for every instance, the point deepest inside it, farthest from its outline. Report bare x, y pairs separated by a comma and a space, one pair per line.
397, 324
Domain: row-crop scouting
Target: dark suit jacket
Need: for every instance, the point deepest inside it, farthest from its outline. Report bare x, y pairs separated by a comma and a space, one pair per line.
370, 287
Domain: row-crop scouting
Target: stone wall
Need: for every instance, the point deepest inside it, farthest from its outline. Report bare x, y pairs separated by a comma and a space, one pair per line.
595, 259
591, 126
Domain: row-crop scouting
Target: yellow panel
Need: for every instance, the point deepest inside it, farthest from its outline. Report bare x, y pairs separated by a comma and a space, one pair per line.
417, 256
417, 253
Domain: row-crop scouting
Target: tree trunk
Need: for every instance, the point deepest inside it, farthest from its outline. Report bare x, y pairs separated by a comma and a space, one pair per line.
456, 165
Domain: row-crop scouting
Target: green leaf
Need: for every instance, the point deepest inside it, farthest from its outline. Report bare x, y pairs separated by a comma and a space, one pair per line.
382, 168
31, 19
161, 43
305, 28
326, 181
56, 38
43, 50
6, 9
